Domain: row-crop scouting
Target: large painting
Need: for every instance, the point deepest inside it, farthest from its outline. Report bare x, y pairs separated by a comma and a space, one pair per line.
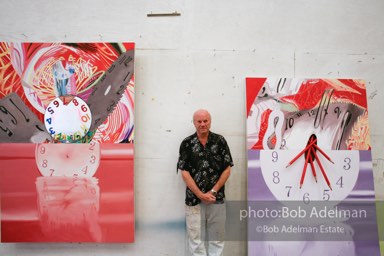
310, 175
67, 136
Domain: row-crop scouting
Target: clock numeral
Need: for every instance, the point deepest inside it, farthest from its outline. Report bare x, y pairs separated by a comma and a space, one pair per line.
85, 118
326, 196
56, 103
52, 171
85, 169
113, 104
289, 123
337, 111
25, 117
289, 190
92, 145
13, 113
347, 162
6, 129
306, 199
51, 130
93, 159
340, 182
275, 156
49, 120
75, 177
45, 163
75, 102
50, 110
121, 89
84, 108
276, 178
311, 113
42, 150
5, 111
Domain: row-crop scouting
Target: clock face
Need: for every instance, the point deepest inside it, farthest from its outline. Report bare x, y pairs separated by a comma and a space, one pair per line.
67, 121
308, 150
332, 124
284, 182
67, 159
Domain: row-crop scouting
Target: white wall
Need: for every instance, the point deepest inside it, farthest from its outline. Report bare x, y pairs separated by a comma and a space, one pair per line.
201, 59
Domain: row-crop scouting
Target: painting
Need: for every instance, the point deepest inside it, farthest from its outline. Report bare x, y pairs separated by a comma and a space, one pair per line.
67, 142
310, 168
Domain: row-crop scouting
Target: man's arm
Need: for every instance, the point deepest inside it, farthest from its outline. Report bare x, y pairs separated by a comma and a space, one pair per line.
223, 178
207, 198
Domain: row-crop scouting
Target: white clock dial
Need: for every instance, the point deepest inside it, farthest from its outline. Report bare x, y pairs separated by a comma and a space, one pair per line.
71, 120
68, 159
284, 182
332, 126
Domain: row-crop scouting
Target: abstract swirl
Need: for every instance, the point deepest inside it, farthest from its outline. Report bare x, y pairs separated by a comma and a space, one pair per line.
26, 68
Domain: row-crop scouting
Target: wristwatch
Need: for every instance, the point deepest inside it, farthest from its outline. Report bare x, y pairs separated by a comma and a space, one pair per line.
214, 192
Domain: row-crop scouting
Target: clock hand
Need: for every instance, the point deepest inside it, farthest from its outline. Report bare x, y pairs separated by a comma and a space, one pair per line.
344, 123
305, 168
321, 168
322, 152
282, 85
313, 168
302, 152
323, 108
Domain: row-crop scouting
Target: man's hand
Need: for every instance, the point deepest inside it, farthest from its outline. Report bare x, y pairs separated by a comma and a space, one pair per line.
208, 198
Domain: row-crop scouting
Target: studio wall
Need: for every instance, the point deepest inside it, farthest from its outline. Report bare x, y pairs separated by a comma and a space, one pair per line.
200, 59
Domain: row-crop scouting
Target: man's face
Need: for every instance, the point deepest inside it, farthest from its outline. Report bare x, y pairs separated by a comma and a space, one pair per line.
202, 122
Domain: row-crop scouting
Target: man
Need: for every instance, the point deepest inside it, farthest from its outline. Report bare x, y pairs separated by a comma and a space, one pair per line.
205, 163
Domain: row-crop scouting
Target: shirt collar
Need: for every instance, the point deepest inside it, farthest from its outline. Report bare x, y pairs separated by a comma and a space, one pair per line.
208, 139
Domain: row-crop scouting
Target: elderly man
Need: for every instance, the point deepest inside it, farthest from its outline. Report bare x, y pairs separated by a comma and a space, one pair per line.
205, 162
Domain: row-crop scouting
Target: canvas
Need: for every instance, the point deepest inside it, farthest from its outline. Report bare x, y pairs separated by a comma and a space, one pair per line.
310, 168
67, 142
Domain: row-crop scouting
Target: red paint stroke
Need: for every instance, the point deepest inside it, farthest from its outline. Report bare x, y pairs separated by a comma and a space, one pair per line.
253, 86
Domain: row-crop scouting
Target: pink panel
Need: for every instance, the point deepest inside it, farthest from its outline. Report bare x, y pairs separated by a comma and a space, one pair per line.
67, 209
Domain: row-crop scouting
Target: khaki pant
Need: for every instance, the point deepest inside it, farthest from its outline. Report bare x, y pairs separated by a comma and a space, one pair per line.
206, 229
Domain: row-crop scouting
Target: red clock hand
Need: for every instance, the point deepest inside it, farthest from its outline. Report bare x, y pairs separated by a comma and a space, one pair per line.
313, 168
305, 168
302, 152
322, 152
321, 168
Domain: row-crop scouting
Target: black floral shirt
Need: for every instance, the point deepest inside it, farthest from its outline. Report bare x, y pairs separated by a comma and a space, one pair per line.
205, 164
